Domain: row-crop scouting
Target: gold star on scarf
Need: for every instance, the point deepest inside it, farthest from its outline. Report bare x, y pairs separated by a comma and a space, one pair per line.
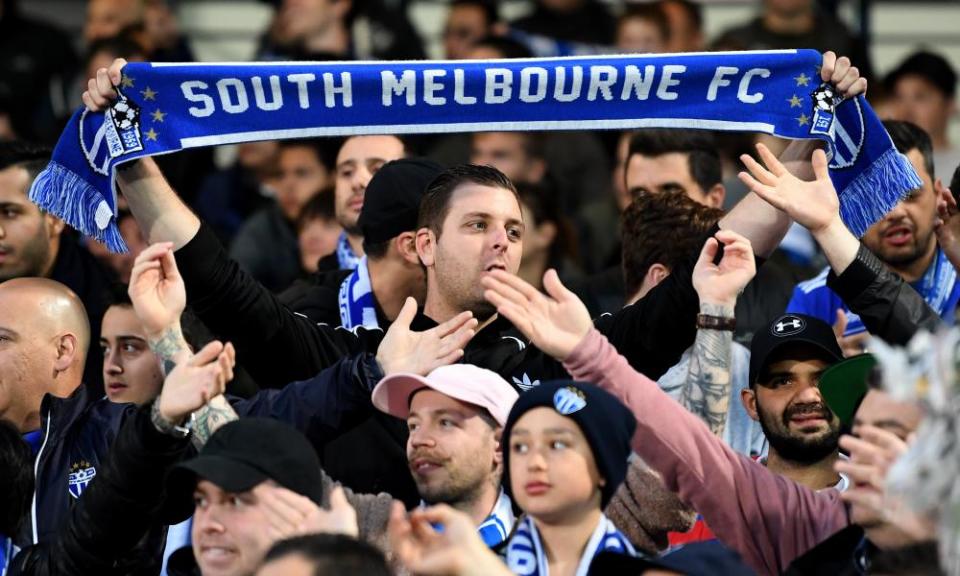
151, 135
795, 102
158, 115
126, 81
149, 93
803, 119
802, 79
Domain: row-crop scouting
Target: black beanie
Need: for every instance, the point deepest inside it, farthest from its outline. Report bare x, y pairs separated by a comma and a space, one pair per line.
606, 423
391, 202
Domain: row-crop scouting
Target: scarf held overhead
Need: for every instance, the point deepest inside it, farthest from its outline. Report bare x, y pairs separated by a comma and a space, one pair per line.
166, 107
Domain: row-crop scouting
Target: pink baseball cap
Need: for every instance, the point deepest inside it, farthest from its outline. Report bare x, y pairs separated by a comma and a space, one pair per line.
464, 382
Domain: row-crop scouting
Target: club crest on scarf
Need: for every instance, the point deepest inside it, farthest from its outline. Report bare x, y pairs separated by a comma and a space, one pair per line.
845, 139
568, 400
81, 473
118, 134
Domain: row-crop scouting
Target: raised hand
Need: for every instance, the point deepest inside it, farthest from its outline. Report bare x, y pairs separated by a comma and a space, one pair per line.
157, 290
403, 350
194, 382
842, 74
289, 514
948, 223
814, 205
101, 91
555, 322
457, 550
721, 283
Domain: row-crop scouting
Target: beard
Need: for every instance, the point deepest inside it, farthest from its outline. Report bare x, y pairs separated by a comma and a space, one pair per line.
463, 483
799, 449
456, 492
905, 256
33, 257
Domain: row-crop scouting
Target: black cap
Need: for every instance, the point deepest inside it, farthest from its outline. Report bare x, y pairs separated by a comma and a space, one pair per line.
606, 423
241, 455
934, 68
391, 202
791, 329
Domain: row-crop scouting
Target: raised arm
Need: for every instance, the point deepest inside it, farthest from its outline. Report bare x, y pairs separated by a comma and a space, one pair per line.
761, 223
158, 209
768, 519
229, 301
889, 307
706, 392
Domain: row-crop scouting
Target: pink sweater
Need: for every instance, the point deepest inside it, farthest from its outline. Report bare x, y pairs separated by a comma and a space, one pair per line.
767, 518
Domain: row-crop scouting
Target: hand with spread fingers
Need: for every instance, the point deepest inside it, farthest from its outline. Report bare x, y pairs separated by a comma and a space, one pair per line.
403, 350
289, 514
454, 550
721, 283
555, 322
157, 289
814, 205
194, 382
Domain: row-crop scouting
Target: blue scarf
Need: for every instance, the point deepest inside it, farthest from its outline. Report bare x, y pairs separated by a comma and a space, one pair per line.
498, 525
936, 285
165, 107
526, 557
495, 529
357, 307
345, 256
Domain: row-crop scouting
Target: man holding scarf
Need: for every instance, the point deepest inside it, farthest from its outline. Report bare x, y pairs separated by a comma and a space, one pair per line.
652, 333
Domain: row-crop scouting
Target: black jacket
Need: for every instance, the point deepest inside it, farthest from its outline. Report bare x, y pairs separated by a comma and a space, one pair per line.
889, 307
278, 346
318, 297
117, 515
77, 433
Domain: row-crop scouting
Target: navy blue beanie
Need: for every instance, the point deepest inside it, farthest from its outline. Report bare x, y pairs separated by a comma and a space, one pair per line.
606, 423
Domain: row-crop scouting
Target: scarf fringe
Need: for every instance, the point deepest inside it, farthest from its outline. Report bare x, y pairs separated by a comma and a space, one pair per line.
875, 191
63, 192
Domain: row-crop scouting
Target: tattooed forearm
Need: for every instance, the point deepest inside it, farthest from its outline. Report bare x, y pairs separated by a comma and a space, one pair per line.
208, 419
706, 392
169, 344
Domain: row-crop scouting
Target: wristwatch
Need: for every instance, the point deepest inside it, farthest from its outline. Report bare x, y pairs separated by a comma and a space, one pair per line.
165, 426
708, 322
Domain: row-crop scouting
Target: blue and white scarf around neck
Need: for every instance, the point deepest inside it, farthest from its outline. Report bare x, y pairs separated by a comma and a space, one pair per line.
526, 556
357, 306
937, 285
165, 107
346, 259
495, 529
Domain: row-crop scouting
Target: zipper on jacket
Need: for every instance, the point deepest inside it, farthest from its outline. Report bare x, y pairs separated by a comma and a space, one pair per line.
36, 481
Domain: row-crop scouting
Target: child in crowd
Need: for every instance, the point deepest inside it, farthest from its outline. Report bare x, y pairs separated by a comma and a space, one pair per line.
566, 449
